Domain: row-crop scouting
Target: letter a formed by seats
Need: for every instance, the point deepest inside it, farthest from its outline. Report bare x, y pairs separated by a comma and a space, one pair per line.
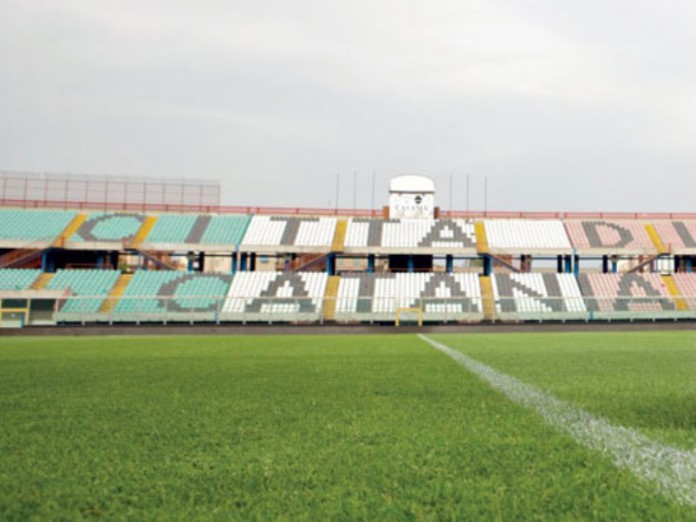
285, 289
447, 233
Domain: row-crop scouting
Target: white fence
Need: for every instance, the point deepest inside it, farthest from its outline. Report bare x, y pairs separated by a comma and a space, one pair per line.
206, 309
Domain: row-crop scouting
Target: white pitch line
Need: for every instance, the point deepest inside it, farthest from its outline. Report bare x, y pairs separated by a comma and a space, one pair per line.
672, 470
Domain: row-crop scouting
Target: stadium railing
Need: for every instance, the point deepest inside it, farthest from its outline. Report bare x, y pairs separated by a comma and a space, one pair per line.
205, 309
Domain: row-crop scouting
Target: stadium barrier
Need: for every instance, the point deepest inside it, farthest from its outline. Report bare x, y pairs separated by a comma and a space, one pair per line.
375, 310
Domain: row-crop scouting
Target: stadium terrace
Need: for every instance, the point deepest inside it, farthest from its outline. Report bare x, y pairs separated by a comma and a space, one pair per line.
101, 261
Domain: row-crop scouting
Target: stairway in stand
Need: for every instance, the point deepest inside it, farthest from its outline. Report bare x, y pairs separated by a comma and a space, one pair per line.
330, 296
73, 227
42, 281
116, 292
655, 238
668, 280
487, 298
481, 238
143, 232
339, 236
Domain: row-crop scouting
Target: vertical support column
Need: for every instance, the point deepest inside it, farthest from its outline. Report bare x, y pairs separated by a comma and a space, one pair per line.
614, 264
487, 265
189, 261
411, 264
233, 267
201, 261
331, 264
244, 262
252, 262
605, 264
370, 263
568, 264
449, 263
576, 265
559, 264
114, 259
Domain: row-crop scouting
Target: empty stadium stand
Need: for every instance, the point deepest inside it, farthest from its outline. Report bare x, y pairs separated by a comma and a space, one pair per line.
272, 234
172, 295
410, 236
601, 236
440, 296
414, 250
686, 286
19, 227
18, 279
225, 230
102, 227
161, 296
275, 296
174, 229
539, 296
626, 296
679, 237
214, 233
89, 288
527, 236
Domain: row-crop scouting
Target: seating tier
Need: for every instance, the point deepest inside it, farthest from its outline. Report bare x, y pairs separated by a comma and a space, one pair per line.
526, 235
93, 284
101, 226
677, 235
285, 232
33, 225
172, 228
441, 296
150, 295
225, 230
631, 295
686, 284
537, 295
18, 279
265, 296
446, 234
603, 235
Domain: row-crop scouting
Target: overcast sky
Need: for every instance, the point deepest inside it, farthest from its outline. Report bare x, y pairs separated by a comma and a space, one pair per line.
563, 105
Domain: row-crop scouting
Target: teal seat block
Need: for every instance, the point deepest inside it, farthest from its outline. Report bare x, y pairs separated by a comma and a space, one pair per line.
172, 228
102, 226
141, 293
18, 279
33, 225
225, 230
171, 291
94, 285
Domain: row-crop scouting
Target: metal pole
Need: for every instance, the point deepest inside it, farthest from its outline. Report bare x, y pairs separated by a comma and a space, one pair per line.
372, 197
338, 184
450, 194
467, 194
355, 189
485, 194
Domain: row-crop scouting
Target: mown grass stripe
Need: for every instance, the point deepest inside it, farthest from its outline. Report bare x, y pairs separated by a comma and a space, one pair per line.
673, 471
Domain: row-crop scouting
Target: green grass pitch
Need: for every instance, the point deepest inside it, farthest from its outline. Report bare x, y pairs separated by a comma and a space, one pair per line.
332, 427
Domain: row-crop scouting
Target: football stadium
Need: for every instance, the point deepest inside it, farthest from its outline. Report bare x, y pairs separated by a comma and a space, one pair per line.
167, 357
152, 259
